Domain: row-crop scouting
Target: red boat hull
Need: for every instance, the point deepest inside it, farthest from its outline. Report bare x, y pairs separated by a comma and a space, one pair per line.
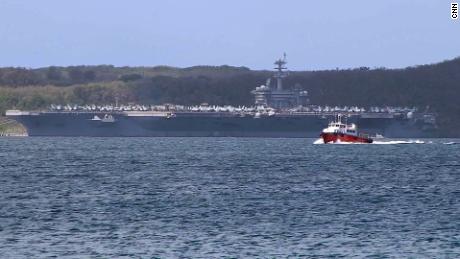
340, 137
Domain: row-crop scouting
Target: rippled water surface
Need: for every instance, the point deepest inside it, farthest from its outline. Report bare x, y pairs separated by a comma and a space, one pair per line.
227, 197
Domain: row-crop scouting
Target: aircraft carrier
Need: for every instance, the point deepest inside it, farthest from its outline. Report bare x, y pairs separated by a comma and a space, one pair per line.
277, 112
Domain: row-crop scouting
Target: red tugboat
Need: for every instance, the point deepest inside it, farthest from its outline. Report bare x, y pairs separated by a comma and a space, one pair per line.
341, 132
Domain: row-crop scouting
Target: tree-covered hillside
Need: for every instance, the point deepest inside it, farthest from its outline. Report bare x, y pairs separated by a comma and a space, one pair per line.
436, 86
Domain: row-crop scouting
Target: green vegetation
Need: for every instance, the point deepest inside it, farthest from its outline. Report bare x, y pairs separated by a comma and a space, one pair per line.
436, 87
10, 127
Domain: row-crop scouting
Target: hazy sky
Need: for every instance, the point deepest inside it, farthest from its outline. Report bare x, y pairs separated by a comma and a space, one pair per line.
314, 34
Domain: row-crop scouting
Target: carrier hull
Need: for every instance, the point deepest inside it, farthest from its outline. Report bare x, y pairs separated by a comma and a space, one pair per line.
199, 125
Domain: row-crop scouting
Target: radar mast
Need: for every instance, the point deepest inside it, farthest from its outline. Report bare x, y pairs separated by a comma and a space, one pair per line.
280, 74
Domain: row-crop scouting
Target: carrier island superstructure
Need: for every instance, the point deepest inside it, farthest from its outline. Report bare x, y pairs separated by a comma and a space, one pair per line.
277, 112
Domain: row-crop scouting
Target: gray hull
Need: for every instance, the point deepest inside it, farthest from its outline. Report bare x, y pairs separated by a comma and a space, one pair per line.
186, 125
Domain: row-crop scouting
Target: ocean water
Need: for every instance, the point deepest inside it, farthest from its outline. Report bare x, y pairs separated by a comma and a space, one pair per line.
228, 197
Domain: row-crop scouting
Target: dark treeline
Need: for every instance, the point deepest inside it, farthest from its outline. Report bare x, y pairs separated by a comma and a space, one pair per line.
435, 87
67, 76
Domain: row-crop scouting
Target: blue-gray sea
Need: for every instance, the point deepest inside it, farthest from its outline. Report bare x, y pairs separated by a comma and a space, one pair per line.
228, 197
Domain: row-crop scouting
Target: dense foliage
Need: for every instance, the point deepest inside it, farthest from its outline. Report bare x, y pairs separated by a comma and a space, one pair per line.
436, 87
